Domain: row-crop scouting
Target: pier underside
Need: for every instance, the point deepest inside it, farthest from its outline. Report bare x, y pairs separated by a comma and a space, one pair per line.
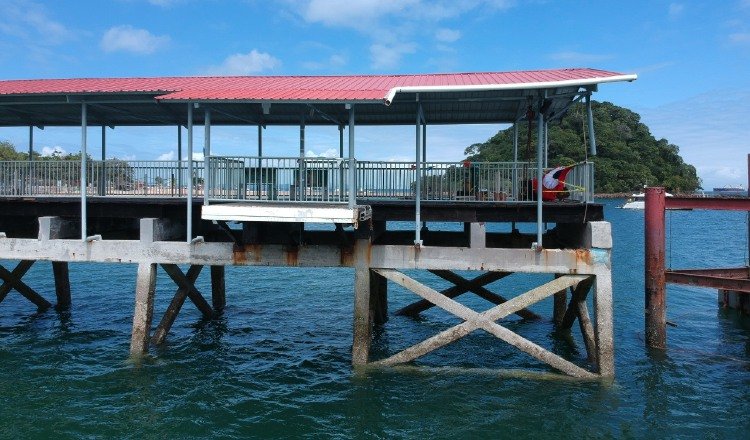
142, 231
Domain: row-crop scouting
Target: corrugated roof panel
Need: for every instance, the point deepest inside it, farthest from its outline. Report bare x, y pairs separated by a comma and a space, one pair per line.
291, 88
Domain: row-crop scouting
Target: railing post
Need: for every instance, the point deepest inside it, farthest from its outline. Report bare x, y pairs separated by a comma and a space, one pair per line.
656, 311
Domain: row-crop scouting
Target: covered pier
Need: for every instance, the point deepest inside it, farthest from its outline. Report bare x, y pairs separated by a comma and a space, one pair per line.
257, 210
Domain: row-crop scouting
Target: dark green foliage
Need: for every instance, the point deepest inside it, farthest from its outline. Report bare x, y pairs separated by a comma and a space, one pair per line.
628, 155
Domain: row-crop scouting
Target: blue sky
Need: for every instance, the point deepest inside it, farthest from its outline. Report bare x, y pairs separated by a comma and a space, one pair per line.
692, 58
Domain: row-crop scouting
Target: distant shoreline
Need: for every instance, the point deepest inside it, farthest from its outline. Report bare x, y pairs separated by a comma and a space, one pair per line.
708, 193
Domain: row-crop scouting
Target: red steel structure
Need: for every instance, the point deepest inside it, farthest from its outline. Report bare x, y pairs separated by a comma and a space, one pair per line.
656, 276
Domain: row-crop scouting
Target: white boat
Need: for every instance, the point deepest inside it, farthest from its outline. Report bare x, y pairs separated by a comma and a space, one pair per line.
638, 201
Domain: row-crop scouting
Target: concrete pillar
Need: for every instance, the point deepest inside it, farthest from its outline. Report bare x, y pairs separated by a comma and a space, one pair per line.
159, 229
54, 228
218, 289
362, 312
145, 288
598, 239
477, 235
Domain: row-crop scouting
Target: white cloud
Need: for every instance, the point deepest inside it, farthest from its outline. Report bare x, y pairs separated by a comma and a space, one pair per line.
29, 21
573, 57
249, 63
675, 10
126, 38
446, 35
53, 151
385, 56
740, 38
333, 62
391, 23
358, 14
171, 155
198, 155
163, 3
331, 152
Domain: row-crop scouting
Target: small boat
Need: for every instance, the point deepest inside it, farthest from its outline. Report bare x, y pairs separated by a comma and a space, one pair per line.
638, 201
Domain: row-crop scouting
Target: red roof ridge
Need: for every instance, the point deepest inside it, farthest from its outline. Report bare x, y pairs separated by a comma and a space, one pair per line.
353, 75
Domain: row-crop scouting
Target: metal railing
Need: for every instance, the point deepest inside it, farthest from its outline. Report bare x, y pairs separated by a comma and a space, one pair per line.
278, 179
289, 179
465, 181
112, 177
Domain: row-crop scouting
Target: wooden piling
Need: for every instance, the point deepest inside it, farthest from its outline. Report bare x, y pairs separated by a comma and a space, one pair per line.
145, 288
218, 289
362, 311
559, 305
62, 284
655, 294
378, 298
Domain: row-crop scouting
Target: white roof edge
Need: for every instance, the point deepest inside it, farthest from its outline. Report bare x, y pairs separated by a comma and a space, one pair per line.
515, 86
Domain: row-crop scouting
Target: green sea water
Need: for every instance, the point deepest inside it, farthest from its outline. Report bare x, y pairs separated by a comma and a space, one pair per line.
277, 364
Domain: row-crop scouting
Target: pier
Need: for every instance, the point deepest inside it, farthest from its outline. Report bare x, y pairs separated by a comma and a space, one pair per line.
300, 211
732, 283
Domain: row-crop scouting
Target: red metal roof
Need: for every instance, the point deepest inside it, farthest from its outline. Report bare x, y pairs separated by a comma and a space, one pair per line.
300, 88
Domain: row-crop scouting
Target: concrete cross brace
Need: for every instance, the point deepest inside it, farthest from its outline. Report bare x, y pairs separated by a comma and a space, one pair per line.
485, 321
12, 280
174, 307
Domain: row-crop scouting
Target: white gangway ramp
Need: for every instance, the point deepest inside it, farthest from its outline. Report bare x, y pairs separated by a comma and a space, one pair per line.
287, 212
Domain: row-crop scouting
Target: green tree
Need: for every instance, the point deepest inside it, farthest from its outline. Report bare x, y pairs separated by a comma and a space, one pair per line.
628, 155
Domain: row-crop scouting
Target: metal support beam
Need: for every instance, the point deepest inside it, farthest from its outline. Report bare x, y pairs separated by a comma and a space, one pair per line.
189, 219
31, 142
260, 151
539, 177
656, 312
418, 170
103, 172
179, 161
515, 160
546, 143
590, 120
207, 156
84, 128
301, 178
352, 164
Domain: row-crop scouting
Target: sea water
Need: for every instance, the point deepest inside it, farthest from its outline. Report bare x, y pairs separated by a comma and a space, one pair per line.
278, 363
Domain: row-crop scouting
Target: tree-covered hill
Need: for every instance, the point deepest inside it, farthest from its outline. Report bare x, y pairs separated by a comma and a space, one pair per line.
628, 155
